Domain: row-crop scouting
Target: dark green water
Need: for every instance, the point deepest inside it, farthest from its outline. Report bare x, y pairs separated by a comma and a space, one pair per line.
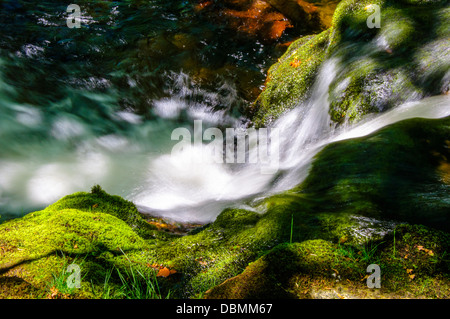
120, 84
125, 49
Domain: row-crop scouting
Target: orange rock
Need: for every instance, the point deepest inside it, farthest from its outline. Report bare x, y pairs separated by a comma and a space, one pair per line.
257, 18
202, 5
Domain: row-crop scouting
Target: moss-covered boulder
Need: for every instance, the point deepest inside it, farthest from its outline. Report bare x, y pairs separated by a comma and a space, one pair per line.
397, 173
96, 231
321, 269
268, 276
289, 80
379, 68
98, 201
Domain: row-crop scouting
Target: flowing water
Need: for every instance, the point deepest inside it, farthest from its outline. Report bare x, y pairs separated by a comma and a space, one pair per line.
98, 105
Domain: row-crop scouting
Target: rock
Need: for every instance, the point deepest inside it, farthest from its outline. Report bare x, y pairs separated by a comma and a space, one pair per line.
268, 277
299, 12
318, 269
289, 80
257, 20
41, 240
395, 173
98, 201
380, 68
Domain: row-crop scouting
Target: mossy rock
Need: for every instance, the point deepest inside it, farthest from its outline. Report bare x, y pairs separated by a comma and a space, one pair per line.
320, 269
422, 249
288, 81
268, 276
385, 67
99, 201
397, 173
83, 228
379, 68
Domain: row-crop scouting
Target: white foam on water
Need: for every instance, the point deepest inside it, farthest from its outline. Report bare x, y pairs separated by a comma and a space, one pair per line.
189, 185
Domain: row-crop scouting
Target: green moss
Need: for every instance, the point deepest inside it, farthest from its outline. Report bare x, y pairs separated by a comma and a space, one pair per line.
95, 227
380, 68
289, 80
99, 201
303, 269
266, 277
391, 174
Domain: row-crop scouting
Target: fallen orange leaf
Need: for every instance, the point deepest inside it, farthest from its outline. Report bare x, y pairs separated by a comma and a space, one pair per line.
53, 293
296, 63
163, 272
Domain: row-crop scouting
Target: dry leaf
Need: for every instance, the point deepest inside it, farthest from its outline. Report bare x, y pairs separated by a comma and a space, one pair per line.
296, 63
163, 272
53, 293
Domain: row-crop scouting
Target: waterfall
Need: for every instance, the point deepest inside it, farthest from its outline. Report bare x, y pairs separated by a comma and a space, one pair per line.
139, 165
194, 191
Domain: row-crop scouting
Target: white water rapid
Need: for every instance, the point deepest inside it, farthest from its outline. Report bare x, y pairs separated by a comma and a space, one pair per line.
178, 186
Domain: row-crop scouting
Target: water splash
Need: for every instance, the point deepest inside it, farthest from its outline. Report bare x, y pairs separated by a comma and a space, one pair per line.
62, 154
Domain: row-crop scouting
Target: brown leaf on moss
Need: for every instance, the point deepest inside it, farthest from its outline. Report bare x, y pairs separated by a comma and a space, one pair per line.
53, 293
163, 272
296, 63
428, 251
